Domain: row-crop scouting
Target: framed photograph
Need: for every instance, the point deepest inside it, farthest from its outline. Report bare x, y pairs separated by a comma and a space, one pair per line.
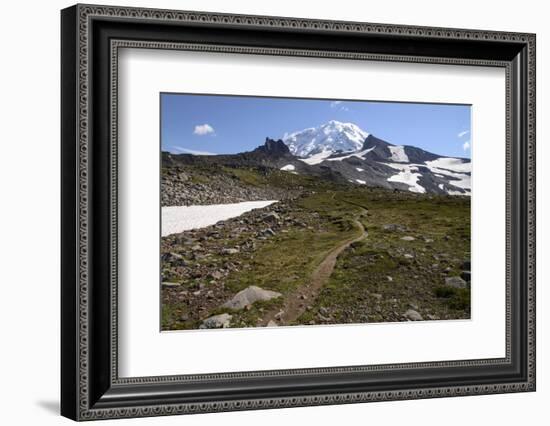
263, 212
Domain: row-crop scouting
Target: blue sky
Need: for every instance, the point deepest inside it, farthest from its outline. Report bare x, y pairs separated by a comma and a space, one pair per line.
200, 124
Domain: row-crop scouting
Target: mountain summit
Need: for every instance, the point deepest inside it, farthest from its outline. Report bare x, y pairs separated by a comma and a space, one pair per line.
274, 147
331, 137
344, 153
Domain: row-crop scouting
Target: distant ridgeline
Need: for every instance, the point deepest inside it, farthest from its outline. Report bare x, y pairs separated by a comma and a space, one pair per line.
344, 153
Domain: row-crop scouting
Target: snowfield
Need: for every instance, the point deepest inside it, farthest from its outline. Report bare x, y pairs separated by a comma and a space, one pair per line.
398, 154
452, 164
317, 158
359, 154
288, 168
407, 176
452, 169
177, 219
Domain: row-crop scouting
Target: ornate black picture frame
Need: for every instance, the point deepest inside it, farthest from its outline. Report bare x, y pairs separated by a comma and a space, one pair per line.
91, 37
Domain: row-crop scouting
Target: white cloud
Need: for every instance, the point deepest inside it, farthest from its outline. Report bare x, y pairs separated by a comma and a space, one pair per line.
203, 129
339, 105
191, 151
464, 132
466, 146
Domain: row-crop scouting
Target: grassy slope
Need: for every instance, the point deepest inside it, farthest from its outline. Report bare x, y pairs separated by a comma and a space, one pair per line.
359, 290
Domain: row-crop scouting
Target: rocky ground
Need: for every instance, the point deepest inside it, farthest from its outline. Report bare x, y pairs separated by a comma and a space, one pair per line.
413, 265
196, 264
181, 187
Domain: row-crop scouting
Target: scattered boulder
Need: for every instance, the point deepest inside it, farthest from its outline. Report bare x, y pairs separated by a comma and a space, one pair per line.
324, 311
250, 295
455, 282
412, 315
271, 218
217, 321
268, 232
171, 257
408, 238
272, 323
394, 227
216, 275
323, 318
170, 284
230, 251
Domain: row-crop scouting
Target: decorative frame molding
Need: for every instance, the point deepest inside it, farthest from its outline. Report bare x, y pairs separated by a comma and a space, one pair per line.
91, 37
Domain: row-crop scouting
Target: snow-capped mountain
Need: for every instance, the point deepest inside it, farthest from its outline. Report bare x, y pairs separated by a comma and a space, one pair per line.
329, 138
364, 159
345, 153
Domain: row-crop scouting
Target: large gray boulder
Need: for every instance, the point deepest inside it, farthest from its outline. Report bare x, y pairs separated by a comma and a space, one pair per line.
217, 321
412, 315
250, 295
271, 218
455, 282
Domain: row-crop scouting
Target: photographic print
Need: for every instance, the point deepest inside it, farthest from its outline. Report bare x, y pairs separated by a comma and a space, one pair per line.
286, 211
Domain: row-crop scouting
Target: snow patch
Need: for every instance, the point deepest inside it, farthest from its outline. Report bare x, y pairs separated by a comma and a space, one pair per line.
452, 164
450, 192
460, 180
288, 168
398, 154
316, 158
359, 154
359, 169
362, 182
408, 175
177, 219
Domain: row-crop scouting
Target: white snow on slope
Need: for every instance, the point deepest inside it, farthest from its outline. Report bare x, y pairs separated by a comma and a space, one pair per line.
452, 164
177, 219
323, 156
362, 182
316, 158
408, 174
359, 154
333, 136
462, 180
398, 154
288, 168
359, 169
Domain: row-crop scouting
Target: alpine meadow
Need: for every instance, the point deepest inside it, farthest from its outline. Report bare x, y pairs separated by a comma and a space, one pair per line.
285, 211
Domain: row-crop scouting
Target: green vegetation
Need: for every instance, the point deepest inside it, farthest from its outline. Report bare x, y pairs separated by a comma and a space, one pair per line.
400, 266
414, 242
